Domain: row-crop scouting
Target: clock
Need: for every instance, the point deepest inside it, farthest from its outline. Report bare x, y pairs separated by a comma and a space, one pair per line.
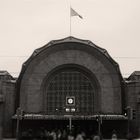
70, 100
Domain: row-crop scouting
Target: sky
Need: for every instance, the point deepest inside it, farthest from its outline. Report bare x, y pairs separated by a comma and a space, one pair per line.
26, 25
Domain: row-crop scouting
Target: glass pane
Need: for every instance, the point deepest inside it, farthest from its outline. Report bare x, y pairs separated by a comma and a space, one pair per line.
69, 83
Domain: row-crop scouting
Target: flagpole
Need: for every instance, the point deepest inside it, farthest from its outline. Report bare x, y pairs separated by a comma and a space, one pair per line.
70, 20
73, 13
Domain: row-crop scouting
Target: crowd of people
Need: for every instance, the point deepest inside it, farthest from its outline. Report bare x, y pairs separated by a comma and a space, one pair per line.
57, 134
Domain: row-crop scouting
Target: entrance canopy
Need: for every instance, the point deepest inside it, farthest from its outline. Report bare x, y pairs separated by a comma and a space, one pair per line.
73, 117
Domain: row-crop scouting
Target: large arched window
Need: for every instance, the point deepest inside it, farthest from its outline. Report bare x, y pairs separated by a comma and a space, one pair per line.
69, 91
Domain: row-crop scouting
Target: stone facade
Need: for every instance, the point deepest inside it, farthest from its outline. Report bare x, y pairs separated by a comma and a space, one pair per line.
132, 94
112, 93
7, 102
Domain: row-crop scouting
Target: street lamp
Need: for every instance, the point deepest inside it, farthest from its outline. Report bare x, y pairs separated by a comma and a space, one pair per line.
130, 117
99, 120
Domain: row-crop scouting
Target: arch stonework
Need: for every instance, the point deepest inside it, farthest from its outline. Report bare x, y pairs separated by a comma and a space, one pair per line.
75, 52
92, 94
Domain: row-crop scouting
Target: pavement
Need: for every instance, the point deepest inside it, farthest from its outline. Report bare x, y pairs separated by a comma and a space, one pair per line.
102, 139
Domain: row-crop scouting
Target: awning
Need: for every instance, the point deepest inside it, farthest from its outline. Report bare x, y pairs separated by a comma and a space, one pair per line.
66, 117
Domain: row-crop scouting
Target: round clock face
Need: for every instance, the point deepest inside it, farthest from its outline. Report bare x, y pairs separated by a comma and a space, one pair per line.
70, 101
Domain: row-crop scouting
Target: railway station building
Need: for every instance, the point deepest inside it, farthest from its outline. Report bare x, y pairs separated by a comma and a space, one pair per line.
70, 84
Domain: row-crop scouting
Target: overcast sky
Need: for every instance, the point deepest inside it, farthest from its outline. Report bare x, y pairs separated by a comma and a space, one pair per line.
26, 25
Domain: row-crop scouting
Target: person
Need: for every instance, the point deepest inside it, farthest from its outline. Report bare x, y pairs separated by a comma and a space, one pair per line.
64, 135
83, 134
59, 134
70, 136
96, 137
29, 133
114, 135
79, 137
53, 134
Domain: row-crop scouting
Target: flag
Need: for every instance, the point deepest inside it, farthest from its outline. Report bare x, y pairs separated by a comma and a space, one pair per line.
74, 13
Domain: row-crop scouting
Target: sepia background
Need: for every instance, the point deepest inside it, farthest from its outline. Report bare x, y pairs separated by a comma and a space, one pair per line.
29, 24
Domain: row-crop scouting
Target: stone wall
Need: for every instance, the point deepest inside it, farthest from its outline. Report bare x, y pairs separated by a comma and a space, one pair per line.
38, 68
7, 100
132, 100
8, 89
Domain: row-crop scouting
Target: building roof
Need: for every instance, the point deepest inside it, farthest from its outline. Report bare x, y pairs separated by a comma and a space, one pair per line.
135, 76
4, 72
135, 73
68, 40
5, 76
76, 40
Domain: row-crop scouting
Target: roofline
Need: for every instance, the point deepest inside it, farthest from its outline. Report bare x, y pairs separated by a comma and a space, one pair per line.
76, 40
65, 40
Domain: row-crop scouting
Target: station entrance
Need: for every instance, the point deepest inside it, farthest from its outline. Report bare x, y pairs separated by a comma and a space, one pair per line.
62, 127
69, 91
46, 128
70, 106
